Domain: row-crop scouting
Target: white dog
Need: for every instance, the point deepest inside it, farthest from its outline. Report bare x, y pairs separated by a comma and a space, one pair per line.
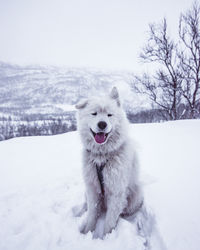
110, 166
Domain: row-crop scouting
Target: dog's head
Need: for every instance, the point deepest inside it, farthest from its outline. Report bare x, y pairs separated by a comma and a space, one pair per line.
100, 119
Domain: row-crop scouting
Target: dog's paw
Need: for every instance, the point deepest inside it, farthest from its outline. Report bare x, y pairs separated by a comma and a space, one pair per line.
86, 227
107, 229
110, 224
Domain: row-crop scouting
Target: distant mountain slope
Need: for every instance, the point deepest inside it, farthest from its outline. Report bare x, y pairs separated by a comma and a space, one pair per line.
48, 89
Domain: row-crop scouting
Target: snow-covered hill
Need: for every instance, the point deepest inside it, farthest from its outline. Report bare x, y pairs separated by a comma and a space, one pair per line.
48, 89
40, 181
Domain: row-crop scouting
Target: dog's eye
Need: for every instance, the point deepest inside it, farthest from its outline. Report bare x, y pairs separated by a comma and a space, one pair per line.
109, 115
95, 113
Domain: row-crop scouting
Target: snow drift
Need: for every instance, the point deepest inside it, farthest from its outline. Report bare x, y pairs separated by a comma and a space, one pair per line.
40, 182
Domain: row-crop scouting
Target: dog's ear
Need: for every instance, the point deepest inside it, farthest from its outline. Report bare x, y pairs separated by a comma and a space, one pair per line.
81, 104
115, 95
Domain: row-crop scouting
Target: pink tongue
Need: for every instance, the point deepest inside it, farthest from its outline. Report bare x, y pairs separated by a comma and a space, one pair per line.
100, 137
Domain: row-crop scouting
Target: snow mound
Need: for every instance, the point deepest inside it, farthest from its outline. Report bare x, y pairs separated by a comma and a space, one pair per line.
41, 180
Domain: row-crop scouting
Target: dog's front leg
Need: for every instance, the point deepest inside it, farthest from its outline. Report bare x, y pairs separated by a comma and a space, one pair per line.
115, 196
93, 198
92, 213
115, 205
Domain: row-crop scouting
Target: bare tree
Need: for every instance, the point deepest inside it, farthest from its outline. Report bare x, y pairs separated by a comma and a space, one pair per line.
189, 56
163, 86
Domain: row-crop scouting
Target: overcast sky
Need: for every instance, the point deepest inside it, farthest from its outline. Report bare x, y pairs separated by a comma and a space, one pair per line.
106, 34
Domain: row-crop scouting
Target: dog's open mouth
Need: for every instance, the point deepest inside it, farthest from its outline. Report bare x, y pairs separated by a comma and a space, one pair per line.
100, 137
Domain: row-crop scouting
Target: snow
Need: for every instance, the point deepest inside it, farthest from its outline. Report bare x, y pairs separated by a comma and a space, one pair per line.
65, 107
41, 180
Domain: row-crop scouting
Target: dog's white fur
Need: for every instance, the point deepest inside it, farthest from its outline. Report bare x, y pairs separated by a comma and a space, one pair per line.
122, 191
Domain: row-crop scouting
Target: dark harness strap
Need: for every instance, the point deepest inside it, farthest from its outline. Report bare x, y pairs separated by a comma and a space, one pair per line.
100, 177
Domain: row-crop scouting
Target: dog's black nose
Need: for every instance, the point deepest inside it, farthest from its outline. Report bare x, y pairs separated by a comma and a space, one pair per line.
102, 125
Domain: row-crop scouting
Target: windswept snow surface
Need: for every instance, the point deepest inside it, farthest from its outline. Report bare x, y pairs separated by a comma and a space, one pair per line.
40, 182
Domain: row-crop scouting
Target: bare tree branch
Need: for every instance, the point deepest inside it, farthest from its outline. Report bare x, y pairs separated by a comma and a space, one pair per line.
189, 33
162, 87
176, 82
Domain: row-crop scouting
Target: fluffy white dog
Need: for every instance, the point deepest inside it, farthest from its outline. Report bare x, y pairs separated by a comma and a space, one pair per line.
110, 164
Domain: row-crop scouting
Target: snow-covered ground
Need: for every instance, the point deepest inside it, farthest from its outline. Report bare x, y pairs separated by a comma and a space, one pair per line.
40, 182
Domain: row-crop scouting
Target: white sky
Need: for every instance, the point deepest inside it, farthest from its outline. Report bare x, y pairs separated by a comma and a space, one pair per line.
105, 34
